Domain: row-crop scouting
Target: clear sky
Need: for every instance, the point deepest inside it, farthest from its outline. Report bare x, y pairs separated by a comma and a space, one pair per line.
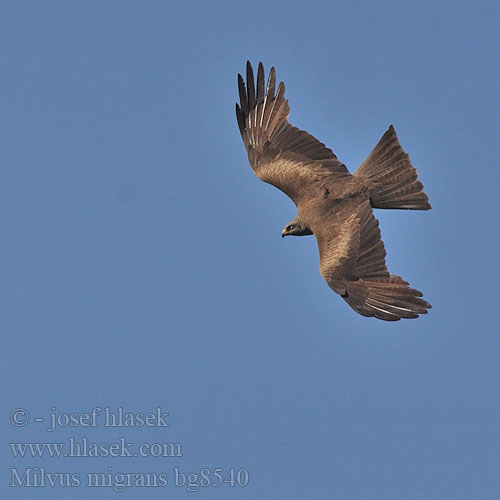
143, 267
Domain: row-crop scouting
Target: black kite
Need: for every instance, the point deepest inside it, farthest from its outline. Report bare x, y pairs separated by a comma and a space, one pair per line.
332, 204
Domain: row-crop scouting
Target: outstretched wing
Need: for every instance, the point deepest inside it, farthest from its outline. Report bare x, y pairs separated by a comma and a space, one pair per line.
352, 261
280, 153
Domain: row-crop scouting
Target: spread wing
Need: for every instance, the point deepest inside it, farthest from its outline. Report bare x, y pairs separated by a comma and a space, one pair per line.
352, 261
280, 153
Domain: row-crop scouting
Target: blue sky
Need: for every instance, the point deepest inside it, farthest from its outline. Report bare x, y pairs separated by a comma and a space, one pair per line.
143, 267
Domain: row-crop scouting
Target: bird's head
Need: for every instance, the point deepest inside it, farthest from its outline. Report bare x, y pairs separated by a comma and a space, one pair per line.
296, 228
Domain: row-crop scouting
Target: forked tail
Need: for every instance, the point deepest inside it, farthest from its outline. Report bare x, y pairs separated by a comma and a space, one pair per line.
391, 177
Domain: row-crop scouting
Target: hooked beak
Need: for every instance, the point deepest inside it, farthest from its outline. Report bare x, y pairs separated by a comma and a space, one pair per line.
284, 233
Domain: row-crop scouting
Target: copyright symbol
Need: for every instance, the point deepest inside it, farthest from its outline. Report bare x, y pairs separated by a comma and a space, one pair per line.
19, 417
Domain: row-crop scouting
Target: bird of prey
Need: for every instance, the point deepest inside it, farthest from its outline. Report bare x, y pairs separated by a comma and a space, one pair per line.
334, 205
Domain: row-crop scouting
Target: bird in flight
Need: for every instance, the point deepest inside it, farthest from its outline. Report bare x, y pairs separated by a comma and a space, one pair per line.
334, 205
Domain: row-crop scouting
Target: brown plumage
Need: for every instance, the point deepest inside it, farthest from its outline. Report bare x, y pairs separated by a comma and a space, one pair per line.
334, 205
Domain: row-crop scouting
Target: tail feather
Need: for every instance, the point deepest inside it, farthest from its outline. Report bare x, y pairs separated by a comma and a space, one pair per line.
389, 299
391, 177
